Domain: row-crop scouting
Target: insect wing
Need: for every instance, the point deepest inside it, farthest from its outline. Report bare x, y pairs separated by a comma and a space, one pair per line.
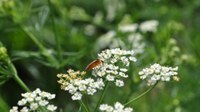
93, 64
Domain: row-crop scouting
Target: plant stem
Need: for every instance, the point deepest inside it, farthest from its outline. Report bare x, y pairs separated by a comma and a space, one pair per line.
86, 102
102, 96
16, 77
21, 83
59, 51
84, 106
35, 40
141, 95
79, 110
45, 52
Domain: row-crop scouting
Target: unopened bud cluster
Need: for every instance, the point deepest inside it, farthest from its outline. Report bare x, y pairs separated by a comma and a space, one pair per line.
3, 53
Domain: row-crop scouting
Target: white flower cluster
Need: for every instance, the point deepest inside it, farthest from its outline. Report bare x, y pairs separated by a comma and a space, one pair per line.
149, 26
157, 72
132, 34
32, 101
110, 69
76, 85
136, 40
118, 107
128, 28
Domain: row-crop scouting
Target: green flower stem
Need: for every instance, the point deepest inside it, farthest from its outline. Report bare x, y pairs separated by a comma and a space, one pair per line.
79, 110
102, 96
84, 106
141, 95
35, 40
59, 51
50, 58
21, 83
86, 102
16, 77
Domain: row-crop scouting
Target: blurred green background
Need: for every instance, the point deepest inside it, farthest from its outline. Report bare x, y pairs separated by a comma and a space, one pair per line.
46, 37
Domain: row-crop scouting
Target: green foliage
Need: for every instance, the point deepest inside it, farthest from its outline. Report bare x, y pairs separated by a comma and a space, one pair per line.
46, 37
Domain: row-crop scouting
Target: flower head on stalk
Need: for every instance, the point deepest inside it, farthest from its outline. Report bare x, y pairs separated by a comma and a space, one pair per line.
32, 101
75, 84
157, 72
3, 53
149, 26
118, 107
114, 65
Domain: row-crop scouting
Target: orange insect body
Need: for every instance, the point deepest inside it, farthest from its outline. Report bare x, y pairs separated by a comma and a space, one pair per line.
93, 64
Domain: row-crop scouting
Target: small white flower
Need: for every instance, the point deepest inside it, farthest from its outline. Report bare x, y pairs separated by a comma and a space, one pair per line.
51, 107
155, 77
51, 96
29, 99
33, 106
110, 78
77, 96
22, 102
24, 109
165, 78
128, 109
14, 109
106, 108
38, 98
37, 91
100, 84
91, 91
92, 84
118, 107
103, 107
45, 94
123, 69
132, 59
26, 95
119, 83
82, 87
109, 109
122, 74
43, 103
71, 88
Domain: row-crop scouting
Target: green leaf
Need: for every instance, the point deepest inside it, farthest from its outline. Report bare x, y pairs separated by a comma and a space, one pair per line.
17, 55
77, 13
3, 105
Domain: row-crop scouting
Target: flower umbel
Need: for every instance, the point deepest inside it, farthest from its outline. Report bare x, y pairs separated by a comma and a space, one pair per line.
118, 107
149, 26
74, 83
32, 101
137, 42
114, 65
3, 52
157, 72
